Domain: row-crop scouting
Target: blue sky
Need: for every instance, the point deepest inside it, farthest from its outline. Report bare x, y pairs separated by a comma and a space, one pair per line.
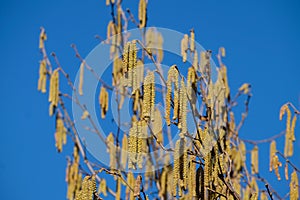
263, 47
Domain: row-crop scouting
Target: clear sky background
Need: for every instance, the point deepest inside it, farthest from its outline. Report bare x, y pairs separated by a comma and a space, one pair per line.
263, 48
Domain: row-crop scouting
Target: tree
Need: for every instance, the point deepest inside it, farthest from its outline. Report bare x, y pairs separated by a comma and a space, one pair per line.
191, 151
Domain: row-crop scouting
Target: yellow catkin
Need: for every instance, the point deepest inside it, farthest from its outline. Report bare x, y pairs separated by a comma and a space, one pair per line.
137, 186
176, 168
81, 74
125, 59
286, 171
163, 179
276, 165
172, 78
130, 181
124, 151
272, 154
42, 77
195, 60
140, 142
54, 91
184, 47
183, 109
157, 126
149, 96
103, 101
43, 38
132, 62
102, 187
119, 187
192, 177
60, 134
142, 13
292, 135
192, 85
288, 143
242, 148
117, 71
254, 160
132, 145
254, 188
294, 186
192, 41
111, 149
222, 51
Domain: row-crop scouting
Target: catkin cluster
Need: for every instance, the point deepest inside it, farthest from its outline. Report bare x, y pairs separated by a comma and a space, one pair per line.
103, 101
42, 77
154, 44
54, 91
180, 170
73, 177
88, 189
136, 143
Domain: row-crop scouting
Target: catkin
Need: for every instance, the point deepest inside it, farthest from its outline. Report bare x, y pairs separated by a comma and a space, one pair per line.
192, 85
176, 168
54, 91
103, 101
294, 186
111, 150
149, 96
42, 77
286, 171
142, 13
192, 41
183, 109
60, 134
124, 151
254, 160
172, 78
102, 187
276, 165
125, 60
130, 181
192, 177
43, 38
118, 193
272, 154
184, 47
157, 126
263, 196
81, 78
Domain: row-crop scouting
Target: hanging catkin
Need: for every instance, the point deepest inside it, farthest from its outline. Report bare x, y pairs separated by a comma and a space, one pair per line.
42, 77
60, 133
130, 181
272, 154
111, 149
192, 85
192, 41
142, 13
124, 151
125, 60
157, 126
132, 145
192, 177
54, 91
183, 109
103, 101
176, 168
254, 160
294, 186
172, 78
81, 78
184, 47
149, 96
